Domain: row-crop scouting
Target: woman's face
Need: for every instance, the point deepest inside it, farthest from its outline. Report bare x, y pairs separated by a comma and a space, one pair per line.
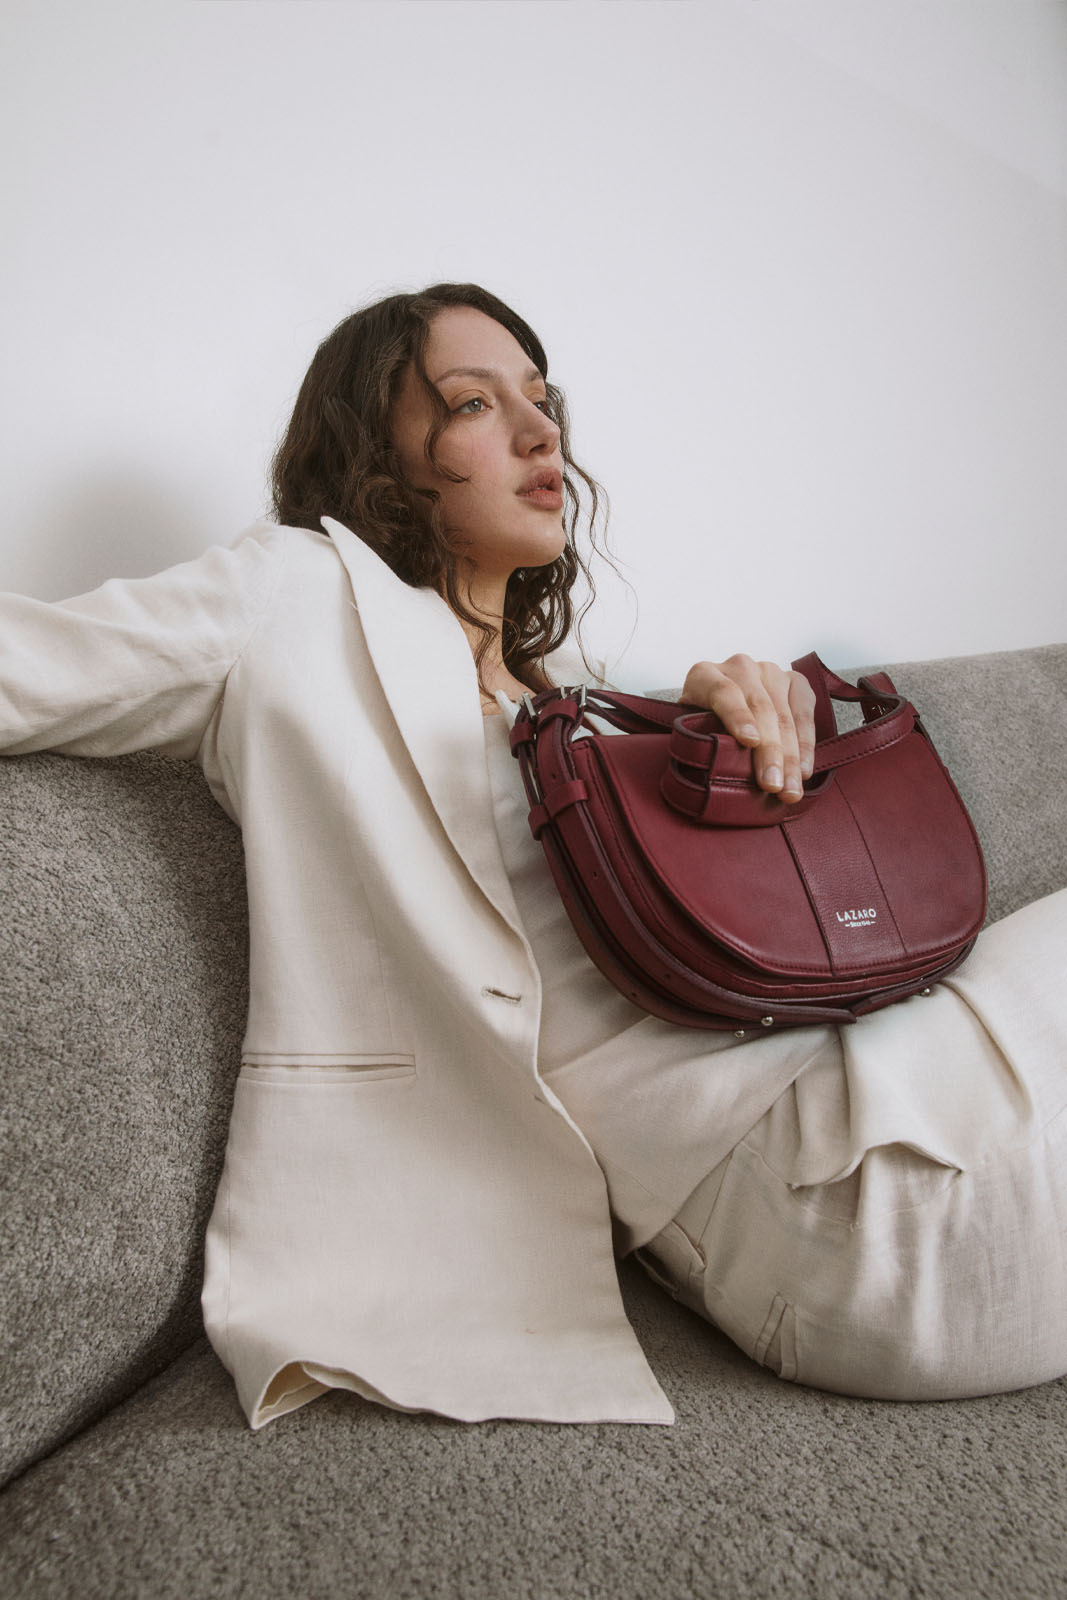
499, 438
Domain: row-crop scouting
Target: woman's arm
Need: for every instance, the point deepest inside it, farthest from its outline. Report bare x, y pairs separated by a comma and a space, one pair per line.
765, 707
138, 663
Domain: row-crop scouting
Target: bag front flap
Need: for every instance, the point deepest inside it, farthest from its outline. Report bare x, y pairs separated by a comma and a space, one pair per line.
881, 871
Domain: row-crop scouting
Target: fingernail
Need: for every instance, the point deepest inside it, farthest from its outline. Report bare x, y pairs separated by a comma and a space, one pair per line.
772, 778
749, 731
807, 768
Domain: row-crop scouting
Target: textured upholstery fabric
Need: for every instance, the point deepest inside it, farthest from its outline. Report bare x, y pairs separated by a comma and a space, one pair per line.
123, 953
999, 722
760, 1491
123, 949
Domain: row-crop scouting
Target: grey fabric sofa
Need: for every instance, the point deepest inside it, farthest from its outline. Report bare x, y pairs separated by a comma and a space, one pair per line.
128, 1467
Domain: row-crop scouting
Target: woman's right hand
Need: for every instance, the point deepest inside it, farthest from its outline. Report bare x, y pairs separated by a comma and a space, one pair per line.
770, 709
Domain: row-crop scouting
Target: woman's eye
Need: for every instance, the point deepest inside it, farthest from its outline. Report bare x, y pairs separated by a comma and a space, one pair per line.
476, 401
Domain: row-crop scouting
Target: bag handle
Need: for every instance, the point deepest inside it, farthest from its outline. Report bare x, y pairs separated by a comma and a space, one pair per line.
702, 740
875, 690
708, 775
632, 713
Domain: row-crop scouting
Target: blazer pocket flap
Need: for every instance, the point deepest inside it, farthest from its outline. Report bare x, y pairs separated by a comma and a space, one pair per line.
263, 1067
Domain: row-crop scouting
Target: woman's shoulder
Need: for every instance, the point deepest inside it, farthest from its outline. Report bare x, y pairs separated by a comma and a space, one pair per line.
289, 559
281, 539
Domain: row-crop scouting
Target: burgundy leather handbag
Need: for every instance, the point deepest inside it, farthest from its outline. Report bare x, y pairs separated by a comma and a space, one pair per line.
713, 904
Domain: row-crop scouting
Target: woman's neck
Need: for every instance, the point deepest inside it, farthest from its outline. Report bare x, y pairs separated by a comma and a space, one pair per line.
486, 601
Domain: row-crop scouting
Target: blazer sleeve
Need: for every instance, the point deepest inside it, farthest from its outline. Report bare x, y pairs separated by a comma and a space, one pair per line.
137, 664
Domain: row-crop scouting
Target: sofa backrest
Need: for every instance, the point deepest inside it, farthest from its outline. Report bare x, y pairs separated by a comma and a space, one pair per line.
999, 722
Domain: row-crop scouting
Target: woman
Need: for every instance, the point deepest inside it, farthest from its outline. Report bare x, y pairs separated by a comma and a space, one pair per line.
443, 1109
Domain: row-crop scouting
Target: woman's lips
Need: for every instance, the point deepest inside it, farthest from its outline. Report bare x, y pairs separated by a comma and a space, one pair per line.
548, 499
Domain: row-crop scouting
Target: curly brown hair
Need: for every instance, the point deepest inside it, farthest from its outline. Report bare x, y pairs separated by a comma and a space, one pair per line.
337, 459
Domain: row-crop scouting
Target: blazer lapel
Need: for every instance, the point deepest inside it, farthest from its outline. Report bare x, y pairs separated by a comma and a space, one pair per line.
427, 673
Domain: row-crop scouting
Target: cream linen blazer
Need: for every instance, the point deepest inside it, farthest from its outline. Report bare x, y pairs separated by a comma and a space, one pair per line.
406, 1209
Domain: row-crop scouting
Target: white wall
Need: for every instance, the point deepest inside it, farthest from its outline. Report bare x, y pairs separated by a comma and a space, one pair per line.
801, 266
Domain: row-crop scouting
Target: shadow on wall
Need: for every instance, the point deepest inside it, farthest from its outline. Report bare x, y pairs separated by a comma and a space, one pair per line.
108, 525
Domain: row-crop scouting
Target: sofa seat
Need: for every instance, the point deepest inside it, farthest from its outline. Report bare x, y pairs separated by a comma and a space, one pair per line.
761, 1488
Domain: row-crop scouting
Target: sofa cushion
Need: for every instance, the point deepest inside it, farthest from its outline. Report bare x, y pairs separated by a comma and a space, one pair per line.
123, 949
760, 1489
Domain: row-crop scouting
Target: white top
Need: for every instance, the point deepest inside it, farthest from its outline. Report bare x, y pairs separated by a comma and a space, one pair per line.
660, 1104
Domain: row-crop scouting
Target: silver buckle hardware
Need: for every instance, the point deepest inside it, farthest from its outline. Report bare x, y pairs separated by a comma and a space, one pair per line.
576, 691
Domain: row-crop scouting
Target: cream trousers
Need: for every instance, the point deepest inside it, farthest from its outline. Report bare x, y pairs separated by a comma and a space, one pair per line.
912, 1276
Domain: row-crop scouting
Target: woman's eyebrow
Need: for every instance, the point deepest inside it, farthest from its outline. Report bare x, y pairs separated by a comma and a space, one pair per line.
531, 376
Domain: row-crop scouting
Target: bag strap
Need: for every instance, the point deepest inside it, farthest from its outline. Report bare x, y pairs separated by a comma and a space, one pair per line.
699, 750
873, 690
631, 713
818, 675
887, 718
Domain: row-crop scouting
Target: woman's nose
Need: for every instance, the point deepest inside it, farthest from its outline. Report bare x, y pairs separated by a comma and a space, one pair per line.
539, 430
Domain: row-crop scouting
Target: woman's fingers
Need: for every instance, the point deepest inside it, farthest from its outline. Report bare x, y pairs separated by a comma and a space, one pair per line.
766, 707
802, 705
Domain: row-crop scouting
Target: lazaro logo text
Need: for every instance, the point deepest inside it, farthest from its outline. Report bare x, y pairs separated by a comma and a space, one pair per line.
861, 918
